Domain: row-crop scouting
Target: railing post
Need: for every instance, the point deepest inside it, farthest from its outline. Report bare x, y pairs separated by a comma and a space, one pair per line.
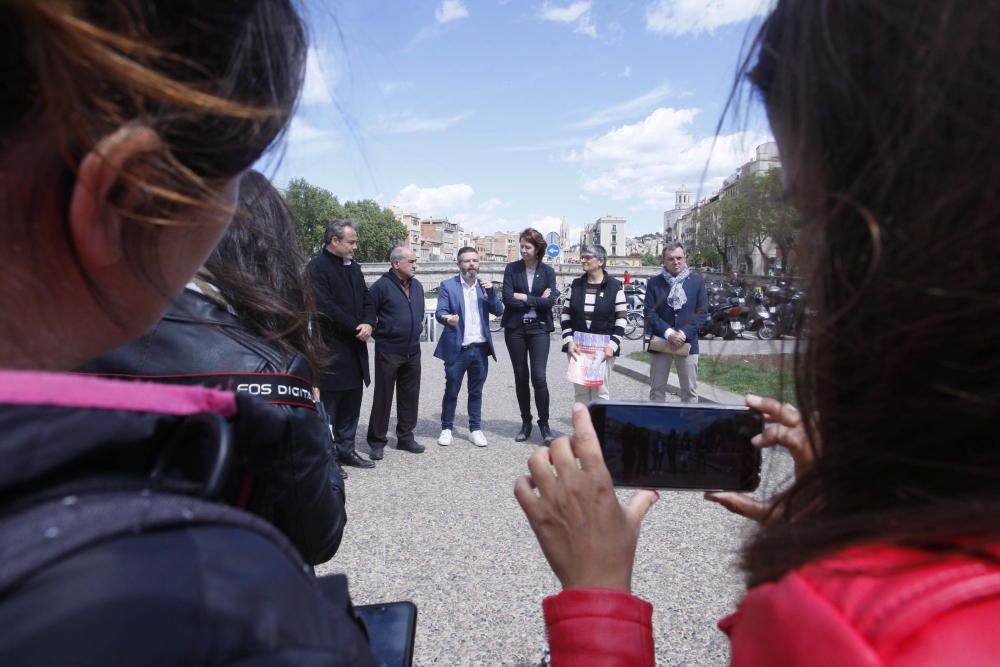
430, 326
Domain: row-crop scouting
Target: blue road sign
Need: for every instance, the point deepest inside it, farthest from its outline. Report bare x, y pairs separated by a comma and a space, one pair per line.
552, 251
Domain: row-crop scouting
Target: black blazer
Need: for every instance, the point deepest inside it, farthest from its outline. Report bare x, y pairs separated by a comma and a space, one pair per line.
343, 303
515, 280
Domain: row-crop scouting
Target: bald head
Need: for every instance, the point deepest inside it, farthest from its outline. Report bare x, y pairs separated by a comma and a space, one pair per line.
404, 262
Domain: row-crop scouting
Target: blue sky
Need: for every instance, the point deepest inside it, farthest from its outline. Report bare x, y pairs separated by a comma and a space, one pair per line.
503, 114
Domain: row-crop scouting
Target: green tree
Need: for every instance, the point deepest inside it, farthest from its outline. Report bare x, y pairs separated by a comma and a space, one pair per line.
650, 259
705, 256
378, 230
754, 215
718, 228
312, 207
780, 220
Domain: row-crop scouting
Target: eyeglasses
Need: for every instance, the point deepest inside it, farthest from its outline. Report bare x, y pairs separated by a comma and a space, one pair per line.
586, 258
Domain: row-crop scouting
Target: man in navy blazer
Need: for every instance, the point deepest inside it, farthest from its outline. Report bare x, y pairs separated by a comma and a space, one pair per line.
465, 303
676, 306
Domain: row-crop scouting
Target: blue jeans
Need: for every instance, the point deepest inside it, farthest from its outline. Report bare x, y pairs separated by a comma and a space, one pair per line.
473, 360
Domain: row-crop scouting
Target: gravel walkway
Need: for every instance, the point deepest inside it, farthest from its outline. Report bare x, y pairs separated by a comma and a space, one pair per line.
443, 529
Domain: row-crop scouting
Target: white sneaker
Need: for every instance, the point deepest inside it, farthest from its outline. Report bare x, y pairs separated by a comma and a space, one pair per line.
478, 439
445, 438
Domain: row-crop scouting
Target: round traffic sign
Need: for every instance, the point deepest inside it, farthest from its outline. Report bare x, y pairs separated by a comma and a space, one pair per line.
552, 250
553, 238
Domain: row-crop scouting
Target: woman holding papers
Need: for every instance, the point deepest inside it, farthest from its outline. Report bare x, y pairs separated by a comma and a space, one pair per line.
593, 324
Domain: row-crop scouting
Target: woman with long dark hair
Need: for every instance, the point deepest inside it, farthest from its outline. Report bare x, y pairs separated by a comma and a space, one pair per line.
529, 292
257, 268
243, 322
124, 130
886, 548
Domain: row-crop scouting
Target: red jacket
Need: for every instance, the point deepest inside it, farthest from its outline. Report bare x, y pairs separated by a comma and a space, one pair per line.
873, 606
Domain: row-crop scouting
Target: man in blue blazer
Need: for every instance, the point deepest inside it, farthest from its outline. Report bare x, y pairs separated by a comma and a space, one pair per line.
465, 303
676, 306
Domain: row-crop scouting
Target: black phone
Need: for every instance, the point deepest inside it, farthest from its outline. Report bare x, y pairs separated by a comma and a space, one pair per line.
696, 446
392, 628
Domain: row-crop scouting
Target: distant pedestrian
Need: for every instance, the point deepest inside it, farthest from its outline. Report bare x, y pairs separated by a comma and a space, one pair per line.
529, 292
676, 307
628, 277
398, 298
596, 305
346, 320
464, 306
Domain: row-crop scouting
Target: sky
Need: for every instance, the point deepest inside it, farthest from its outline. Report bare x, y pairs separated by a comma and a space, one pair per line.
505, 114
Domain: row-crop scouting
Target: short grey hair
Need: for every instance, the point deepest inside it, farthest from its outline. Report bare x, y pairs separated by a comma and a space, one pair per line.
670, 247
398, 254
597, 251
337, 228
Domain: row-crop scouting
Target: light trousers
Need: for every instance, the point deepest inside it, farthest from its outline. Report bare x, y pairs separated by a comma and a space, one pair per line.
659, 373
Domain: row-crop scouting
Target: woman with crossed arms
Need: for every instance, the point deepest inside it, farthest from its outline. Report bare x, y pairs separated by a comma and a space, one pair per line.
529, 292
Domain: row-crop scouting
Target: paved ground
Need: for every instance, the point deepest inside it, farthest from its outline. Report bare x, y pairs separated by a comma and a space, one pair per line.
443, 529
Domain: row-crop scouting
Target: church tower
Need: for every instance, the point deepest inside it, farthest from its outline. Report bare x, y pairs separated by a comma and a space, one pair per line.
682, 199
682, 202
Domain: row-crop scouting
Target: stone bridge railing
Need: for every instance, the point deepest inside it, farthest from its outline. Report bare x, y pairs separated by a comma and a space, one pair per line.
432, 273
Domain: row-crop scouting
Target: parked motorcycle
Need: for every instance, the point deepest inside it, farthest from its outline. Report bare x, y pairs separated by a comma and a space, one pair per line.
786, 310
726, 321
757, 313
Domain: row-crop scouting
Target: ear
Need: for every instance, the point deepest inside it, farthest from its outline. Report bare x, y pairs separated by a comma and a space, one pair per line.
96, 228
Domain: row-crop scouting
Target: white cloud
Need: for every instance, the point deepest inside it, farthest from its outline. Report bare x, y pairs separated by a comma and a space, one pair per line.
627, 72
576, 12
678, 17
450, 10
553, 223
300, 131
546, 224
567, 14
625, 110
540, 146
305, 139
389, 87
585, 27
649, 160
443, 200
458, 203
321, 76
484, 224
491, 204
405, 122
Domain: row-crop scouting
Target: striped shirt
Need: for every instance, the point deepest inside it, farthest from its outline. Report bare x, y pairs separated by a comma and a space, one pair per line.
589, 299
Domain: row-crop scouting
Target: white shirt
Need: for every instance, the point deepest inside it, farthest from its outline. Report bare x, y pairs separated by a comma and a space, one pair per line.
530, 275
473, 320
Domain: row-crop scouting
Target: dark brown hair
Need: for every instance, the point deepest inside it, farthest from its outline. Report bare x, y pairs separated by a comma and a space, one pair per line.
217, 81
887, 115
257, 266
534, 237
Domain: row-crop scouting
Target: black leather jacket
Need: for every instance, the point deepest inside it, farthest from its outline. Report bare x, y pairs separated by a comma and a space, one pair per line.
302, 492
200, 591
